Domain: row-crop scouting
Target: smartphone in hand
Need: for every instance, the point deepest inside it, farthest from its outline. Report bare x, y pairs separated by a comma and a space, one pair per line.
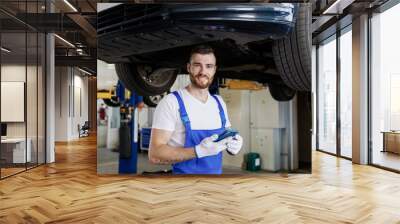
227, 133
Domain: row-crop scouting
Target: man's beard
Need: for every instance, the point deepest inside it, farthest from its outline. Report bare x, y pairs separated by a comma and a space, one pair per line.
198, 84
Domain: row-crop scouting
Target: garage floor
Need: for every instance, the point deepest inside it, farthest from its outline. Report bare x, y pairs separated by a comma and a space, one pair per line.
70, 191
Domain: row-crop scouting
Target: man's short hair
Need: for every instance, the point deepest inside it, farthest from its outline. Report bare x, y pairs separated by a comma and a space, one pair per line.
201, 49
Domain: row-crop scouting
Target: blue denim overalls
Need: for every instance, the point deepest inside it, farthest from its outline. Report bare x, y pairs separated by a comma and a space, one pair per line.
205, 165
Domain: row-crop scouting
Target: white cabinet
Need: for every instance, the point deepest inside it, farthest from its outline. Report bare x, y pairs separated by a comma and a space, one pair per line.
268, 129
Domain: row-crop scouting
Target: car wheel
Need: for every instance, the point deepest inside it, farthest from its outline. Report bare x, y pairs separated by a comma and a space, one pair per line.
152, 101
113, 102
146, 80
292, 55
281, 92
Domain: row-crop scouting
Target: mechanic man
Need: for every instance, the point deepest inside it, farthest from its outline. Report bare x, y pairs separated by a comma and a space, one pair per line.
187, 122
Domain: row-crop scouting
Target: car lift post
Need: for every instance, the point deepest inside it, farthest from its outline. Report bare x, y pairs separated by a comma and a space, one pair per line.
128, 165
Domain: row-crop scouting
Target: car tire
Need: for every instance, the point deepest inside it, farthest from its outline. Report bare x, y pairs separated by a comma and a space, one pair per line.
292, 55
146, 80
152, 101
281, 92
113, 102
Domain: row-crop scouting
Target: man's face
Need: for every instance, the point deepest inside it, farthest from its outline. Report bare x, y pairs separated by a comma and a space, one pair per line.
202, 69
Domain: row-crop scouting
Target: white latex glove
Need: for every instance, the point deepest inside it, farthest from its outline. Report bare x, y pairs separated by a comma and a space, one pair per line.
208, 147
234, 144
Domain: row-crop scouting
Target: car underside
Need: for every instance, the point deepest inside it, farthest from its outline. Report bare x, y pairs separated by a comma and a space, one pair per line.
150, 44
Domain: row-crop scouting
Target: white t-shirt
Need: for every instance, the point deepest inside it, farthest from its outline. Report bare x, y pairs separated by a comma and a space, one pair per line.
202, 116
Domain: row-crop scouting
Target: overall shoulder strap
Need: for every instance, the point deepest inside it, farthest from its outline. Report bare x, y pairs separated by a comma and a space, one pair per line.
182, 111
221, 111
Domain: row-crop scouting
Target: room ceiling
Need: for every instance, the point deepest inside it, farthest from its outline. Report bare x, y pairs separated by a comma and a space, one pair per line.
77, 27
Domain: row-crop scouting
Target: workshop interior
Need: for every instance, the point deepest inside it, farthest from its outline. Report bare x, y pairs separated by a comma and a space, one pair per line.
263, 53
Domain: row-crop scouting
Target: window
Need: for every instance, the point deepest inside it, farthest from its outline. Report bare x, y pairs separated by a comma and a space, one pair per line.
327, 96
385, 87
346, 93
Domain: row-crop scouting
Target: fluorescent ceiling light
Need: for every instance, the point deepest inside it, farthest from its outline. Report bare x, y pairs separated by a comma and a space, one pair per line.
65, 41
70, 5
337, 7
5, 50
84, 71
104, 6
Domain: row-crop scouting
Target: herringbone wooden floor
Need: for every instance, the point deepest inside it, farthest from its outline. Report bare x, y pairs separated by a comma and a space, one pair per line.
69, 191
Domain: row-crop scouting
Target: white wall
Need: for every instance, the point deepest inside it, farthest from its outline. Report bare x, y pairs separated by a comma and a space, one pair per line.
71, 102
13, 72
33, 126
80, 110
61, 103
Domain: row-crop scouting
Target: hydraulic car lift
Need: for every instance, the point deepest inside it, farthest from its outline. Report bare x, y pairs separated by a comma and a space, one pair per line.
128, 134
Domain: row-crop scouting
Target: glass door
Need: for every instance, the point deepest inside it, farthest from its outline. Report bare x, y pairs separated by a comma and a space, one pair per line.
22, 77
14, 154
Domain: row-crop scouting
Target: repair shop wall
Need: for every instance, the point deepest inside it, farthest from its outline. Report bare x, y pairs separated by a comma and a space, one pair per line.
238, 106
262, 122
269, 129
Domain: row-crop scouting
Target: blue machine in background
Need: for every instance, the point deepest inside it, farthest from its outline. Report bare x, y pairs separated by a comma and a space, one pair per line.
128, 133
145, 134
